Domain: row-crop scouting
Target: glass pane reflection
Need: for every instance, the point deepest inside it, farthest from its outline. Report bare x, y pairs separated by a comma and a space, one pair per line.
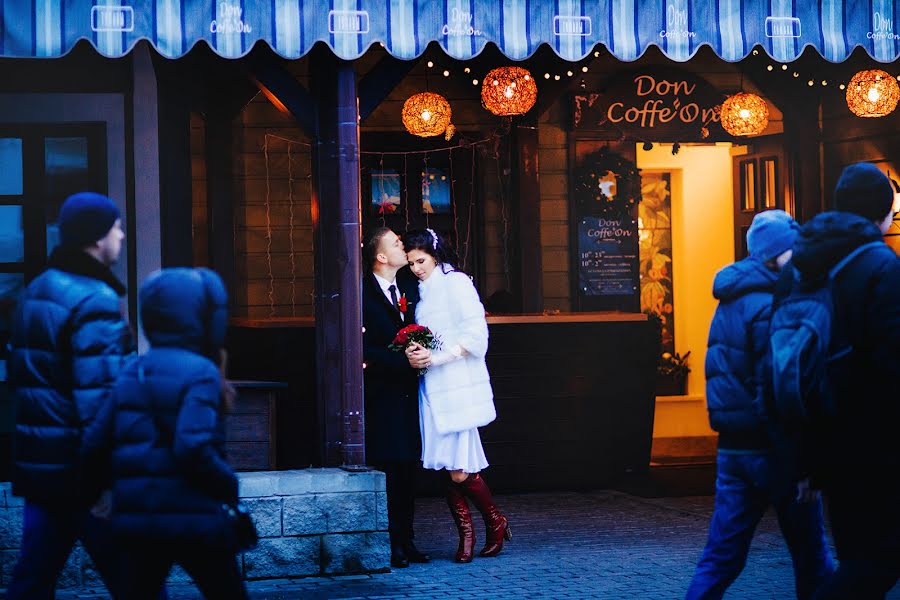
66, 170
10, 167
12, 240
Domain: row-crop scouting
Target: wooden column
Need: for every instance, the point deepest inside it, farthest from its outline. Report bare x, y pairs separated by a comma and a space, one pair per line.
220, 191
527, 197
174, 166
336, 240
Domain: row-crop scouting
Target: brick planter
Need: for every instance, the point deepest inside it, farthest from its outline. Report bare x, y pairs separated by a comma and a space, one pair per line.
310, 522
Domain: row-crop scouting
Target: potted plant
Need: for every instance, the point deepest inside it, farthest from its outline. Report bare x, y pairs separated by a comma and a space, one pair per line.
671, 374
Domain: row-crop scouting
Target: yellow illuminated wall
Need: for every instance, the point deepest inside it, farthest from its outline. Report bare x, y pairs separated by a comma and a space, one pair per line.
703, 243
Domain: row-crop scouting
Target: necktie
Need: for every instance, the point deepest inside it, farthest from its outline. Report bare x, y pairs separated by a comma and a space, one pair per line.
393, 290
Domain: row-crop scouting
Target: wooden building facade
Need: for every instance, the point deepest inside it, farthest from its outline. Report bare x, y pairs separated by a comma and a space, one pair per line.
258, 154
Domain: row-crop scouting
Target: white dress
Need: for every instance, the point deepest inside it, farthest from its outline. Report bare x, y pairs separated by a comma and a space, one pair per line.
458, 450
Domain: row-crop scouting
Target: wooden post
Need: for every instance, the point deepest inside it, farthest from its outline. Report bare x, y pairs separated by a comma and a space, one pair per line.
220, 192
336, 240
527, 194
803, 137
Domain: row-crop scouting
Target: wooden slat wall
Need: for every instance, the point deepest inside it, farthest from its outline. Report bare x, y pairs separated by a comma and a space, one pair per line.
199, 220
553, 161
273, 257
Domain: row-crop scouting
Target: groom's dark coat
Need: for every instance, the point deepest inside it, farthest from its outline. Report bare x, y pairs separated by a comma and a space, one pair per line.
391, 385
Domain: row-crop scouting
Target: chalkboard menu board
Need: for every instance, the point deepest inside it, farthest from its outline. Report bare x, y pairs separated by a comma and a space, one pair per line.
605, 189
607, 255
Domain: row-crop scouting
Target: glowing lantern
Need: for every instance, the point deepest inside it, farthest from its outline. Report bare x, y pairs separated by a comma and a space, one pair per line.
744, 114
872, 94
426, 114
508, 91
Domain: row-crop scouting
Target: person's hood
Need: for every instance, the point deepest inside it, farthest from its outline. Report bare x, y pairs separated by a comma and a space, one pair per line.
827, 238
185, 308
743, 277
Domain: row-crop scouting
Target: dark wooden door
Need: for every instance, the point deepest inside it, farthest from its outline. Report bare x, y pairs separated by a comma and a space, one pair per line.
760, 183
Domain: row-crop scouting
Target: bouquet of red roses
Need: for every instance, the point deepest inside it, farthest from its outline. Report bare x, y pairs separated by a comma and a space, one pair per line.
415, 334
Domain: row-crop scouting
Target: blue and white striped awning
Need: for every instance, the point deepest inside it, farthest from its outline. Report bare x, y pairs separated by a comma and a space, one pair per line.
48, 28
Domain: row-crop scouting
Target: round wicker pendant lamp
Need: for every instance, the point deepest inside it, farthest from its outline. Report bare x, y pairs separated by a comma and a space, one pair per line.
872, 93
744, 114
508, 91
426, 114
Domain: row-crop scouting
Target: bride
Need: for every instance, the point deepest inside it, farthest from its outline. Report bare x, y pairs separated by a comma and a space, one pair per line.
455, 396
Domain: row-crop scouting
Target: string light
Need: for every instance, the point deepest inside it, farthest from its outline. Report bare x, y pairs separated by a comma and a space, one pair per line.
546, 75
271, 290
446, 73
584, 69
291, 232
430, 64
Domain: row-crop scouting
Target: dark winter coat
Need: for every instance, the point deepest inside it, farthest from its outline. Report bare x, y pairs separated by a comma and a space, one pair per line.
391, 385
68, 343
867, 314
170, 478
738, 340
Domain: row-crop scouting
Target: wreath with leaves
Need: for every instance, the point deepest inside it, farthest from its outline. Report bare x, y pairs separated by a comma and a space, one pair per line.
607, 182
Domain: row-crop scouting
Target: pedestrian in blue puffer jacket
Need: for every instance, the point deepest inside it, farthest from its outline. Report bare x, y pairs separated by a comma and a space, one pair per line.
69, 340
171, 483
751, 476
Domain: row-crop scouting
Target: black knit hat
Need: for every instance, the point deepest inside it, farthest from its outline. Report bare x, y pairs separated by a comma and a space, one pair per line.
86, 217
863, 189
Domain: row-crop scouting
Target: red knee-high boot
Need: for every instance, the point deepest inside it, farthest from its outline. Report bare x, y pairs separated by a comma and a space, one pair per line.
459, 508
495, 524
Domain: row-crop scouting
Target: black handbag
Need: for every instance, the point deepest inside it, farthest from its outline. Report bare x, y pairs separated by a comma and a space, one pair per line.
243, 529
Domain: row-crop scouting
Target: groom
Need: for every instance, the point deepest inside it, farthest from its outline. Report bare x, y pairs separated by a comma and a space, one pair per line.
391, 384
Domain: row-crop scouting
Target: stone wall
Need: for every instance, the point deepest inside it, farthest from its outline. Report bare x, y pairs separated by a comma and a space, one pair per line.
310, 522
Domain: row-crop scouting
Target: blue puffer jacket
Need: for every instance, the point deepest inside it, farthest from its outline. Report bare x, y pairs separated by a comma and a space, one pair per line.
738, 338
68, 343
169, 473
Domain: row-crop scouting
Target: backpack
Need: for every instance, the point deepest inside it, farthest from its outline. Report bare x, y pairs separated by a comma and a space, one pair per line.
801, 347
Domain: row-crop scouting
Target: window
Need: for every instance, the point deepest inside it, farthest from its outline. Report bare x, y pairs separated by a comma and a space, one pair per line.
40, 166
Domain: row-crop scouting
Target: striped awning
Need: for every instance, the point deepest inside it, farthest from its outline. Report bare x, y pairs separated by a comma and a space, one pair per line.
49, 28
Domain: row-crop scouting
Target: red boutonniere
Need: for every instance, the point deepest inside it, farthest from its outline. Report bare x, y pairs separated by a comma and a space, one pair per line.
401, 303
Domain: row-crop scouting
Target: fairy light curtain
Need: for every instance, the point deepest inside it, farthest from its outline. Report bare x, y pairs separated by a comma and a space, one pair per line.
293, 172
406, 27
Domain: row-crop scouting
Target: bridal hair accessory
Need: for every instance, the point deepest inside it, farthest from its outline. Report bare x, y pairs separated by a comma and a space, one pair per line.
433, 238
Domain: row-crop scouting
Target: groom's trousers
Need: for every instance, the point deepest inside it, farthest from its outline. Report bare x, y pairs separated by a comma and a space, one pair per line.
400, 481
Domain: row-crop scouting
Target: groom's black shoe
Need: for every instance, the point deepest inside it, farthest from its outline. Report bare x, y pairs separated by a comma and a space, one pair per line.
413, 554
399, 559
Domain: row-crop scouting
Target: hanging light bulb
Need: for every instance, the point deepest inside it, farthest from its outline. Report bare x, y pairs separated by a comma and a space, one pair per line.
872, 93
426, 114
512, 91
744, 114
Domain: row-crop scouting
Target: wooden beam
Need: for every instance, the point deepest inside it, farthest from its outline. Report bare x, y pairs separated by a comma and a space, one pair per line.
378, 83
283, 90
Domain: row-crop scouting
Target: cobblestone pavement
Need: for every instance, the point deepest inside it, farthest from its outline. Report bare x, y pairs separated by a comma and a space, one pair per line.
603, 544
